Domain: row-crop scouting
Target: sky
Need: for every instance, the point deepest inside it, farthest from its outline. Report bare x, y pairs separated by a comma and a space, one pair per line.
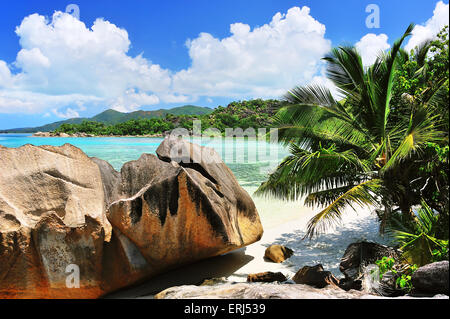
63, 59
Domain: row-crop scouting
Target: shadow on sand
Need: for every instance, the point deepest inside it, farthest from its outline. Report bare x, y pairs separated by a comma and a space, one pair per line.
193, 274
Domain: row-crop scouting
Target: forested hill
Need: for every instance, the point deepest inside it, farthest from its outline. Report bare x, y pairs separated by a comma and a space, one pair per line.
111, 117
242, 114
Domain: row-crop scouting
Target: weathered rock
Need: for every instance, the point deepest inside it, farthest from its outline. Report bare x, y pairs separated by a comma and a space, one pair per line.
359, 255
59, 208
42, 134
315, 276
179, 213
52, 215
259, 291
266, 277
432, 278
278, 253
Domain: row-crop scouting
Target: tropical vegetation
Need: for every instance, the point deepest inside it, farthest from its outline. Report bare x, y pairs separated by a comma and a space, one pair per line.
256, 113
383, 144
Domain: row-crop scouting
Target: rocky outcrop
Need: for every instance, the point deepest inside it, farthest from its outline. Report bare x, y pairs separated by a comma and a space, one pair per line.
263, 291
431, 279
358, 255
60, 208
278, 253
267, 277
52, 215
315, 276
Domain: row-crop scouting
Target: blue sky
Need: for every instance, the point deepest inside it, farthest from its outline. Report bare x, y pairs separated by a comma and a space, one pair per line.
138, 55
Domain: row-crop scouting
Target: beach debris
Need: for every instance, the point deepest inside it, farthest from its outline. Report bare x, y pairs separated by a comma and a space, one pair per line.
278, 253
315, 276
267, 276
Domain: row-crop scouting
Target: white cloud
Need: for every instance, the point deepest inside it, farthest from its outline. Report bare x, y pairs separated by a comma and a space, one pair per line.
69, 113
370, 46
263, 62
5, 75
27, 102
131, 101
65, 66
431, 28
63, 59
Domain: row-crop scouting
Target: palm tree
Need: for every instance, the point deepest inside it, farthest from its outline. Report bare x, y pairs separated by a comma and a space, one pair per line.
348, 152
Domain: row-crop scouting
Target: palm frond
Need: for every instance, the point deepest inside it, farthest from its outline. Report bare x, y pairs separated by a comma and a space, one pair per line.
364, 194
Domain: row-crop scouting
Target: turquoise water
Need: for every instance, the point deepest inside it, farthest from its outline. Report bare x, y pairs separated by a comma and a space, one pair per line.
250, 160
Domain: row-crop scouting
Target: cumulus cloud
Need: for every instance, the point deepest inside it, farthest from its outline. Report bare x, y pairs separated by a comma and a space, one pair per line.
370, 46
264, 61
63, 59
64, 64
5, 75
431, 28
69, 113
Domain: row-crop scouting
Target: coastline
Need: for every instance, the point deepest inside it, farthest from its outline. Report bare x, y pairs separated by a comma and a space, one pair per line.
79, 135
234, 266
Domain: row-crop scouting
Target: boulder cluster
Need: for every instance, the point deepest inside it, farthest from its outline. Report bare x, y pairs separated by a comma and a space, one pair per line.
73, 227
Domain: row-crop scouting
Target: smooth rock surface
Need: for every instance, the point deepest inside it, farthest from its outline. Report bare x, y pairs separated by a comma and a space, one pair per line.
52, 215
431, 278
278, 253
265, 291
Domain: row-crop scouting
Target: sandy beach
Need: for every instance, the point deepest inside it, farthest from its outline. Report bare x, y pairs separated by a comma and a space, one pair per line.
284, 223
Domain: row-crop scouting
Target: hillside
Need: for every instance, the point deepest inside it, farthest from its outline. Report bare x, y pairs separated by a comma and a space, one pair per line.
111, 117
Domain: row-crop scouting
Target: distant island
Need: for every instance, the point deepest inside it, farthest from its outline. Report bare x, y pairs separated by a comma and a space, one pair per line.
255, 114
111, 117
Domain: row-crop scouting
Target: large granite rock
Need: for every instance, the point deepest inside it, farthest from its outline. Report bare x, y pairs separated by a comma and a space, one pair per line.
59, 207
431, 279
177, 212
52, 215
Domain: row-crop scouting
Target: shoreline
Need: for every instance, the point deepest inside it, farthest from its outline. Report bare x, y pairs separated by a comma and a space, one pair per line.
234, 266
81, 135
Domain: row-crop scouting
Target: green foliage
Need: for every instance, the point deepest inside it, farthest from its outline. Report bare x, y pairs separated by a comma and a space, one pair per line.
441, 253
368, 148
402, 272
418, 240
384, 265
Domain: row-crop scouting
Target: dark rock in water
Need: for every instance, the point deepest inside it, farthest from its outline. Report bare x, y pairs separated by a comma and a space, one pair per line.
315, 276
359, 255
266, 277
278, 253
350, 284
432, 278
